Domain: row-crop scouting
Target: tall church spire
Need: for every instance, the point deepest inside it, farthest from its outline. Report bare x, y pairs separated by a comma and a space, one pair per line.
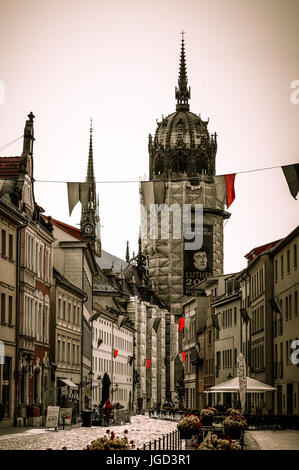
182, 93
90, 216
90, 172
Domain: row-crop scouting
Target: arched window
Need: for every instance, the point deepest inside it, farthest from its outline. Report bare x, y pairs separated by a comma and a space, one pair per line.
179, 164
159, 165
201, 164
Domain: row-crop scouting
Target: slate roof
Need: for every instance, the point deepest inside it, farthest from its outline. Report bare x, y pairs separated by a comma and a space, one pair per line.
9, 167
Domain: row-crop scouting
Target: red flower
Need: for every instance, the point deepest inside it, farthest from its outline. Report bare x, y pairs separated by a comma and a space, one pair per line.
126, 431
132, 442
108, 432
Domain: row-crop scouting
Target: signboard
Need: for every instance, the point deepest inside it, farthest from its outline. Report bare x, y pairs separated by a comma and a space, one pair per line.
52, 417
242, 380
198, 264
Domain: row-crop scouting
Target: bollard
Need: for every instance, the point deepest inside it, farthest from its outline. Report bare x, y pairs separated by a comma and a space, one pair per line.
155, 445
159, 443
163, 442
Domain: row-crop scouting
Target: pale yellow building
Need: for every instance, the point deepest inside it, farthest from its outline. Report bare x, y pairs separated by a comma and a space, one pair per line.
10, 221
286, 324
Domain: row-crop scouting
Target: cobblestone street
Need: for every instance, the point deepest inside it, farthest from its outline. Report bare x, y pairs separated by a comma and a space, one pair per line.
141, 430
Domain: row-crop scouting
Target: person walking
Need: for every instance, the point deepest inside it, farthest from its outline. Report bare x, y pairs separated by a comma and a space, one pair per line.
108, 407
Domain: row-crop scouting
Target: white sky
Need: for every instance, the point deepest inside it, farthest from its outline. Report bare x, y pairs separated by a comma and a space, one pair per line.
117, 61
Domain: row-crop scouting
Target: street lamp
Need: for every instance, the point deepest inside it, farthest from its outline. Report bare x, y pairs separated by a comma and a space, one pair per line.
114, 389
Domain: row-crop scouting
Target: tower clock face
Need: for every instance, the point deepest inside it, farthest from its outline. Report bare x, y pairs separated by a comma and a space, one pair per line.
88, 229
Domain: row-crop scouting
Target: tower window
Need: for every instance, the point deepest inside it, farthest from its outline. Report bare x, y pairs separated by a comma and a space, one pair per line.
159, 165
179, 163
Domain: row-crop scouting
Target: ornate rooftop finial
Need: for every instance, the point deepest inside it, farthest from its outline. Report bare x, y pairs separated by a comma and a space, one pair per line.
127, 252
182, 93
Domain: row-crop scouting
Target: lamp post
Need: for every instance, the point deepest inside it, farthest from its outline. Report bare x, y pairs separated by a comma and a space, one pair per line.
114, 389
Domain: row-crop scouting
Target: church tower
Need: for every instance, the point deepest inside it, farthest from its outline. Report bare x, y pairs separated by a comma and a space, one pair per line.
181, 169
90, 219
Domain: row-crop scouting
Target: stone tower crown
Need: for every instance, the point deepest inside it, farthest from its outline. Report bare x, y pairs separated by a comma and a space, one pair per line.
182, 146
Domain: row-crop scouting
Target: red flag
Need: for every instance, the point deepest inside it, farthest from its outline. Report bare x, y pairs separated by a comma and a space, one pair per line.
148, 363
225, 190
115, 353
184, 356
230, 189
181, 323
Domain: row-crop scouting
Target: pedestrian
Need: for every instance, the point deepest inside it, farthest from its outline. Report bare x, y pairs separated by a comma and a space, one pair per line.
108, 407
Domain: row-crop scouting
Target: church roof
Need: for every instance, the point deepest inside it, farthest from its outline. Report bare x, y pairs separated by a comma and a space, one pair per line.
107, 260
9, 167
75, 232
260, 249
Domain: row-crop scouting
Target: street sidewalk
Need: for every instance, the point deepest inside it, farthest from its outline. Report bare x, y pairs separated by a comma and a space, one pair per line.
272, 440
24, 431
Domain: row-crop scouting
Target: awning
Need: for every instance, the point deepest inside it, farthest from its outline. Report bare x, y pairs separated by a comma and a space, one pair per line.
69, 383
231, 386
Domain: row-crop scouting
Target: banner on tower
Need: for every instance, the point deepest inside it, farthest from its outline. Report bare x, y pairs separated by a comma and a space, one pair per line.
198, 264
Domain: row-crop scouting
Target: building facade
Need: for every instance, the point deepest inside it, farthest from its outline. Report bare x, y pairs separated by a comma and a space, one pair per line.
35, 256
113, 349
66, 343
11, 221
284, 257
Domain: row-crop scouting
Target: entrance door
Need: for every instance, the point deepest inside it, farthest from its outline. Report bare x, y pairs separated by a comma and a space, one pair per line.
290, 399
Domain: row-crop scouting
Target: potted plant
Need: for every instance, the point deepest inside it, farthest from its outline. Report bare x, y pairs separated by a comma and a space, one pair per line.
111, 442
214, 443
207, 415
234, 424
188, 426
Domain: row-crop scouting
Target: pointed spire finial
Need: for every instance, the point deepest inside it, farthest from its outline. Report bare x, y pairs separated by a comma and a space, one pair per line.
127, 252
182, 92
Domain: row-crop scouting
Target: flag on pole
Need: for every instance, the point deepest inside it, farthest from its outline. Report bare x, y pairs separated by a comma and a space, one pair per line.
184, 356
225, 188
115, 353
148, 363
291, 173
156, 324
120, 320
181, 323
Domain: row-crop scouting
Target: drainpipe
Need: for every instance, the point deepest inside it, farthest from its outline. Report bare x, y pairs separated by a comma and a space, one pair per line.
19, 228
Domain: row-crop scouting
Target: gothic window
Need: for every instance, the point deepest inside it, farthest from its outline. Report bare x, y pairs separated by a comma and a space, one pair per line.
179, 163
201, 164
159, 165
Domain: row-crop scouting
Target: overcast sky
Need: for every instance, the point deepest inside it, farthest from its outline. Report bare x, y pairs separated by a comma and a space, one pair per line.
117, 61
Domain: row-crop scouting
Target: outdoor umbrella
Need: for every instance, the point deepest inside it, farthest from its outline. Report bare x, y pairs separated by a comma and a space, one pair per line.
231, 386
105, 388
